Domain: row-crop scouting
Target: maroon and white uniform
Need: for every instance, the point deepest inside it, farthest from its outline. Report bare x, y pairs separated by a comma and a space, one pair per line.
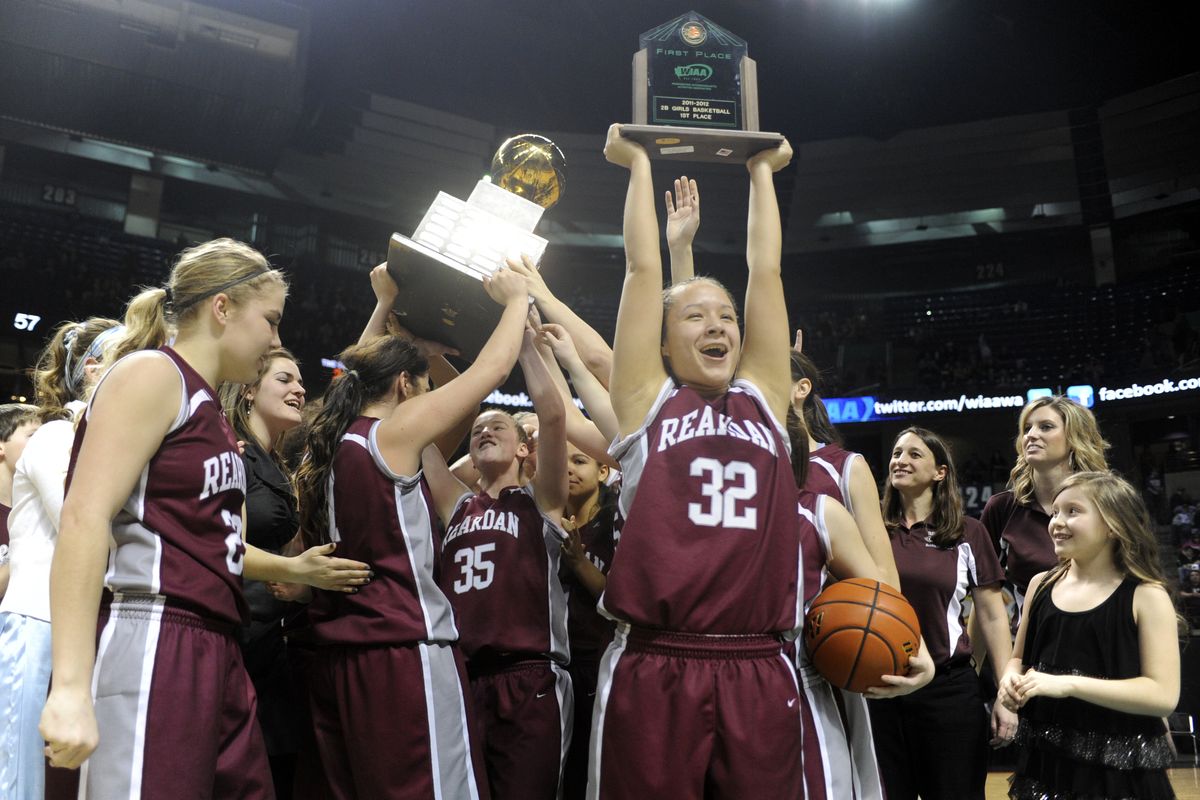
936, 581
696, 697
708, 501
1021, 537
501, 570
829, 472
173, 703
839, 755
933, 742
388, 684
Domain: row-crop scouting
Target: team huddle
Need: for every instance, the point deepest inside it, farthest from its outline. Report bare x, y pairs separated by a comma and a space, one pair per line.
603, 605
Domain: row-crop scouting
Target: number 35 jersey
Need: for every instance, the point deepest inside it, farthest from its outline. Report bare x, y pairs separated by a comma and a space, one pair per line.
500, 569
710, 539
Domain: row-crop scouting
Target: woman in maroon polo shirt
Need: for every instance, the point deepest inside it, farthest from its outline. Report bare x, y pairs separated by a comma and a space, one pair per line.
1055, 437
933, 742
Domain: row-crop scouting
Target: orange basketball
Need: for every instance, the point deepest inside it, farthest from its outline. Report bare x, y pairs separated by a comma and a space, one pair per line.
858, 630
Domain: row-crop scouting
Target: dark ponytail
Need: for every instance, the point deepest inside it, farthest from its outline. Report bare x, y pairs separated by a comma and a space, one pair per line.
798, 434
371, 369
816, 417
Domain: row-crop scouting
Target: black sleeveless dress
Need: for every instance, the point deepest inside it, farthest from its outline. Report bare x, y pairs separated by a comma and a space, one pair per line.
1074, 750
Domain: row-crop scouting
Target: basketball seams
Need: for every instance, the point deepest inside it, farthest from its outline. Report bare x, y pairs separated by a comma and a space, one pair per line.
888, 612
862, 641
872, 628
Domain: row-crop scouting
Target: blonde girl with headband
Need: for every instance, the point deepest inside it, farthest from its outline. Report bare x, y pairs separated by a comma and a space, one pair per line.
1096, 663
63, 378
164, 701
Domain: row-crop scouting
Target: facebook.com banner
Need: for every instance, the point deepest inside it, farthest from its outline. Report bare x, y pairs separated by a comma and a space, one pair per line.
844, 410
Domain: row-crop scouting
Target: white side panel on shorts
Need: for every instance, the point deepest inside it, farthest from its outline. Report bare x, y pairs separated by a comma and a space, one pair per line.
604, 681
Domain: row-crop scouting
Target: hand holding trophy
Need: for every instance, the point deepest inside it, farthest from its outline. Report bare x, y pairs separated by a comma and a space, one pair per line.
695, 94
440, 269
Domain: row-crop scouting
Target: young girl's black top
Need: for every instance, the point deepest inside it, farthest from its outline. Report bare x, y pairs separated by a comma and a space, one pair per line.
1074, 749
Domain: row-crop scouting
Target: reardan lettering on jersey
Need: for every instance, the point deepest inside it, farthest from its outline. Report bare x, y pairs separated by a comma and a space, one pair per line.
675, 430
222, 473
490, 520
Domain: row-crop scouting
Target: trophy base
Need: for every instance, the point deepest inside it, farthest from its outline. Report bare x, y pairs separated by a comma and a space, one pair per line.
441, 299
712, 145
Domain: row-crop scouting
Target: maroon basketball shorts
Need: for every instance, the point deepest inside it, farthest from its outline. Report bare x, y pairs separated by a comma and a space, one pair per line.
525, 710
690, 716
393, 723
175, 708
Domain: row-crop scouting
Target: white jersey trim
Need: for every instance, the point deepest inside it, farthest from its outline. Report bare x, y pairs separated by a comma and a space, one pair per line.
608, 667
184, 401
966, 578
752, 390
412, 514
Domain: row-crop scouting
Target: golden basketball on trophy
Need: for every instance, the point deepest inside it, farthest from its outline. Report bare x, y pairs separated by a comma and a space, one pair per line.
532, 167
440, 268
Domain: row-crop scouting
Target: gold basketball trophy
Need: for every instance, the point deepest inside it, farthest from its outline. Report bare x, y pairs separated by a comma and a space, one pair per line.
695, 94
440, 269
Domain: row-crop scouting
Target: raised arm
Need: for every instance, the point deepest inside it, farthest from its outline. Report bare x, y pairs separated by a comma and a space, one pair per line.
594, 351
425, 418
130, 416
595, 397
444, 487
550, 480
683, 220
765, 346
441, 371
637, 374
581, 431
386, 291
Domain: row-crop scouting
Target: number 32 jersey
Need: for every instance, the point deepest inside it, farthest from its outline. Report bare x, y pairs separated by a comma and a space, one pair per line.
710, 538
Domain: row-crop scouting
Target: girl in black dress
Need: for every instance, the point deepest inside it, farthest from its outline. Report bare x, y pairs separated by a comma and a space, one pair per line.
1096, 663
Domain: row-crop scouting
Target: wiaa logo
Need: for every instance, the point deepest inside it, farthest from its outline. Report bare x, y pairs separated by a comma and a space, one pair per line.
693, 33
812, 628
693, 72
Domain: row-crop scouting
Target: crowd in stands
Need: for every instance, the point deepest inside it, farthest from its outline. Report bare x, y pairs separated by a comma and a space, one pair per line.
986, 340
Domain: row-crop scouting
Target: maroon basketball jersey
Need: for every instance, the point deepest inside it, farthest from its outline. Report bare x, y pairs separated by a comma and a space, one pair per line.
589, 631
829, 472
936, 580
1021, 536
500, 569
179, 535
814, 545
710, 536
386, 520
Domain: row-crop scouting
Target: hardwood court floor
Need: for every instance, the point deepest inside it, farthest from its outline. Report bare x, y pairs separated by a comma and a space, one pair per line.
1185, 778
